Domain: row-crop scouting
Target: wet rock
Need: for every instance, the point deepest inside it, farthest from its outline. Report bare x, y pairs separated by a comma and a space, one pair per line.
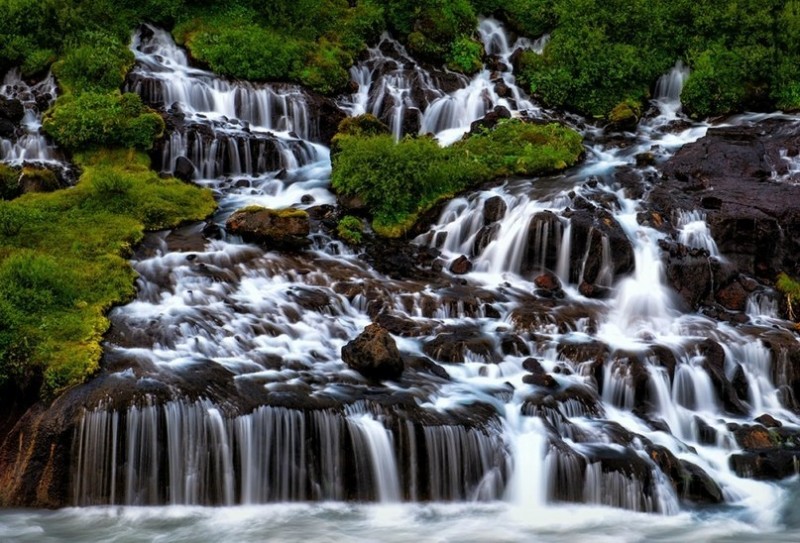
280, 229
769, 421
547, 281
374, 354
599, 245
511, 344
184, 169
645, 159
8, 130
734, 173
733, 296
595, 292
455, 344
544, 380
490, 120
425, 365
770, 465
311, 299
706, 435
404, 327
484, 237
754, 438
11, 110
714, 365
461, 265
691, 482
494, 209
688, 272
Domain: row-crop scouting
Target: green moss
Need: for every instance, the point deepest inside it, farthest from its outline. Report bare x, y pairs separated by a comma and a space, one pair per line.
286, 213
62, 262
9, 182
350, 229
33, 179
90, 119
399, 181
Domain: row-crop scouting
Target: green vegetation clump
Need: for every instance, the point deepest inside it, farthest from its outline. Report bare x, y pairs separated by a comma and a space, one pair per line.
63, 265
791, 290
98, 62
91, 119
398, 181
350, 229
9, 182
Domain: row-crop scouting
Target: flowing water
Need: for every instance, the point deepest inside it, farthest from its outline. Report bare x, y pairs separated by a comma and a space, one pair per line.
29, 145
250, 401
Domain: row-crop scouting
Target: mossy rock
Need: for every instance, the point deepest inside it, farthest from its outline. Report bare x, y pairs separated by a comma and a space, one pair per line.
38, 180
274, 228
350, 229
625, 116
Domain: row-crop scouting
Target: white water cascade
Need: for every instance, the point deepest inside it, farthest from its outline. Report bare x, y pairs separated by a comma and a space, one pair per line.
596, 391
30, 146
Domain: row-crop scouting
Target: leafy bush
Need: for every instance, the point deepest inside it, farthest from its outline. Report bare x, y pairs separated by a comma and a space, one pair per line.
97, 63
9, 182
398, 181
247, 52
465, 55
350, 229
93, 120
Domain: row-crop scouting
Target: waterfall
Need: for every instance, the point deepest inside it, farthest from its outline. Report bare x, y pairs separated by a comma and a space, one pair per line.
510, 391
29, 146
669, 88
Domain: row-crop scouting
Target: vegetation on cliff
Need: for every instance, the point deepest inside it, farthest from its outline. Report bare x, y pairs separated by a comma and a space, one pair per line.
398, 181
63, 265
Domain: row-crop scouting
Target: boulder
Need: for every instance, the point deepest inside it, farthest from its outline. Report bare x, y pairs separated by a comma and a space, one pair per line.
461, 265
273, 228
38, 180
184, 169
494, 209
374, 354
11, 110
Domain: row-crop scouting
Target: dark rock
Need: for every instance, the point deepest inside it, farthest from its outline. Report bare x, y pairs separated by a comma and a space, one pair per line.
714, 365
426, 365
595, 292
547, 281
374, 354
8, 130
732, 296
706, 435
691, 482
494, 209
769, 465
11, 110
544, 380
454, 344
754, 438
184, 169
490, 120
403, 326
38, 180
511, 344
769, 421
461, 265
281, 229
734, 174
484, 237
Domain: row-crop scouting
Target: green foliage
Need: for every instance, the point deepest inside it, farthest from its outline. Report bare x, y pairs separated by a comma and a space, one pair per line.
62, 262
325, 68
9, 182
465, 55
247, 52
398, 181
350, 229
97, 63
791, 290
94, 120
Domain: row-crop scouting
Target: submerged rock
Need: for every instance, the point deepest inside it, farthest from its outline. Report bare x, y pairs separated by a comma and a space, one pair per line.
374, 354
274, 228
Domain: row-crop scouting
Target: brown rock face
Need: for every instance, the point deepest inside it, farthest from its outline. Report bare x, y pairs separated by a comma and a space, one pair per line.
280, 229
374, 354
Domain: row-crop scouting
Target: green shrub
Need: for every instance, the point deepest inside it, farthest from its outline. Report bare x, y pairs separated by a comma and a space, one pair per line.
9, 182
247, 52
33, 282
13, 219
350, 229
92, 120
97, 63
465, 55
325, 68
398, 181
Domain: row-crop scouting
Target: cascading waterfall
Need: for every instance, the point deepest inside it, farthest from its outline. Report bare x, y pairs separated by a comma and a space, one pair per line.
579, 404
30, 146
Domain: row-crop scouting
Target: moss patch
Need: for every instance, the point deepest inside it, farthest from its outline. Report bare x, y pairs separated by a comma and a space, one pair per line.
62, 263
398, 181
